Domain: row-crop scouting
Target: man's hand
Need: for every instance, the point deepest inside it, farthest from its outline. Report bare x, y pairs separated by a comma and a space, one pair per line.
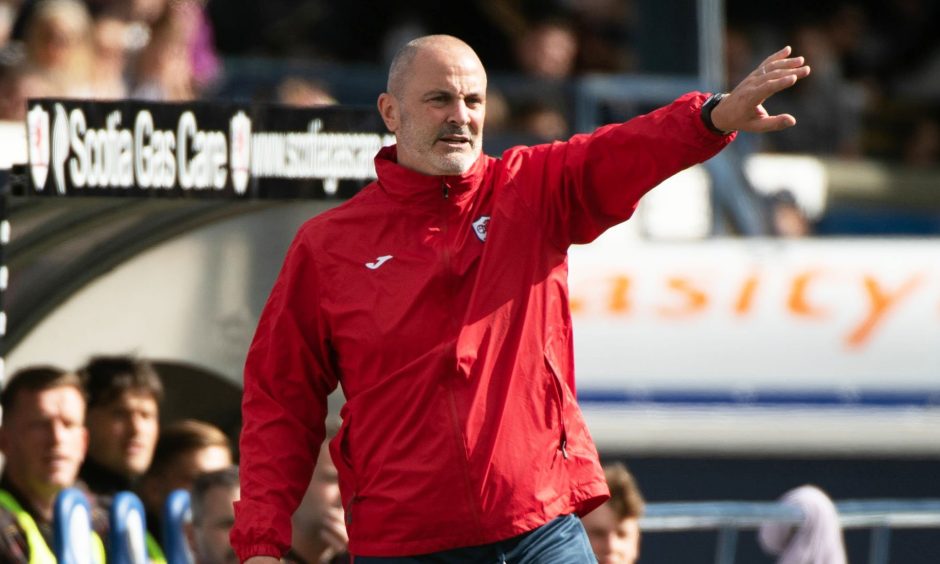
743, 108
263, 560
333, 530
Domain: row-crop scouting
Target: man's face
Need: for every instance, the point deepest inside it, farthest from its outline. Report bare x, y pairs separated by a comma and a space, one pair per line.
186, 467
209, 538
44, 440
123, 433
614, 540
437, 117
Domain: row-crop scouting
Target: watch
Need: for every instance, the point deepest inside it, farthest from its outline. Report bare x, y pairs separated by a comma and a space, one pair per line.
706, 114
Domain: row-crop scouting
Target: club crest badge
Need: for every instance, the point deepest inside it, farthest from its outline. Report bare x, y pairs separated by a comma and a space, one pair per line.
480, 227
37, 123
240, 129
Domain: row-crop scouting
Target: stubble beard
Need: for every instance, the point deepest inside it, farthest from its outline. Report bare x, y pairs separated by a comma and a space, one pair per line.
442, 162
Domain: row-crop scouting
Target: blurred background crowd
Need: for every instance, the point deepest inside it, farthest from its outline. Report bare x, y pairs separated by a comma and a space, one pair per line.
875, 91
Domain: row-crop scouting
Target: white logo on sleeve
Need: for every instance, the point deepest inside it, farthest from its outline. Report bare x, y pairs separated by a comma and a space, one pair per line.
378, 262
480, 227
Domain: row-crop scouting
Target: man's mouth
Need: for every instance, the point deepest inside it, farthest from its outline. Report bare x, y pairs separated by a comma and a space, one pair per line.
455, 140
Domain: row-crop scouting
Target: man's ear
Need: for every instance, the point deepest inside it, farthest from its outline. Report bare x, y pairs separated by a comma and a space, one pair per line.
388, 109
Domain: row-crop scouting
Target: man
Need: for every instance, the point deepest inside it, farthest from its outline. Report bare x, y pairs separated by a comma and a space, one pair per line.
211, 499
186, 449
43, 439
614, 527
124, 395
438, 297
319, 527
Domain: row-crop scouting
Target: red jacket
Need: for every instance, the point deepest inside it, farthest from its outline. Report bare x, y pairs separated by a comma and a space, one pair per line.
441, 306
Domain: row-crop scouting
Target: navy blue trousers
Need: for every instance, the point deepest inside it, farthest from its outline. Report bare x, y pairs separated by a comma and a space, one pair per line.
560, 541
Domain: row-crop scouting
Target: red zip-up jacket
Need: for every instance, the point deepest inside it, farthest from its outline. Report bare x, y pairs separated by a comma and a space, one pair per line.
441, 306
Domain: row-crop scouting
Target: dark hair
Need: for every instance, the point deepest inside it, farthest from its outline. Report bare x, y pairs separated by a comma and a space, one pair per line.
182, 437
36, 379
225, 478
107, 377
625, 497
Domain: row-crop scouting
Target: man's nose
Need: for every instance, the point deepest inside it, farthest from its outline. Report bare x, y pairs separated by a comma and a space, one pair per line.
460, 114
138, 422
59, 432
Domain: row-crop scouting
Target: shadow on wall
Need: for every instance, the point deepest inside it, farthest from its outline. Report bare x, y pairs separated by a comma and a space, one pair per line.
192, 392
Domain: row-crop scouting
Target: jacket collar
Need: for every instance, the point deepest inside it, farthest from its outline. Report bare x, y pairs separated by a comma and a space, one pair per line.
406, 184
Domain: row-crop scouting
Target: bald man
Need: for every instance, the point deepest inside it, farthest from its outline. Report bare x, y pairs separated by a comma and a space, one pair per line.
438, 297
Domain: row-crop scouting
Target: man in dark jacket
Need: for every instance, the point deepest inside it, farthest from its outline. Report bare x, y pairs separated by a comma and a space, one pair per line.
438, 297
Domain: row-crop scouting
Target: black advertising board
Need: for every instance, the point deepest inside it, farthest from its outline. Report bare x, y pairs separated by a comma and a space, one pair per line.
199, 149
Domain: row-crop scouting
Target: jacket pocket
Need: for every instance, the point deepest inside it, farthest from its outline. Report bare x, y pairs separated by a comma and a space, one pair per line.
558, 388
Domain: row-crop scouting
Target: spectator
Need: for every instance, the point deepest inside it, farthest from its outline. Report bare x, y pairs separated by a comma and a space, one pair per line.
213, 515
606, 33
548, 49
18, 84
124, 395
7, 17
319, 527
186, 450
302, 93
818, 540
541, 122
58, 44
44, 442
110, 48
164, 69
786, 216
614, 527
922, 147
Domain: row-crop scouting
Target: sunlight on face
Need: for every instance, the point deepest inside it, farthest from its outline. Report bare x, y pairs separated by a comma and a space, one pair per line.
439, 113
614, 540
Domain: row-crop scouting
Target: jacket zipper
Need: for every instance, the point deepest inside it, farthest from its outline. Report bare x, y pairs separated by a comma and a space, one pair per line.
455, 417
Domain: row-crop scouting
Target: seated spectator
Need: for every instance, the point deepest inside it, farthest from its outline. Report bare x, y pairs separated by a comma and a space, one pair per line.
110, 35
541, 122
319, 527
213, 514
614, 527
302, 93
164, 69
787, 217
186, 450
548, 49
44, 440
7, 17
18, 84
58, 44
124, 395
817, 541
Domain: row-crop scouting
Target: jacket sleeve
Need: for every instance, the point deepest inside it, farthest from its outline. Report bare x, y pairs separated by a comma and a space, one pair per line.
594, 181
286, 383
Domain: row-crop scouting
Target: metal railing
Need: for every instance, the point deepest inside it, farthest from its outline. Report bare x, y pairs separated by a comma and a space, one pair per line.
729, 518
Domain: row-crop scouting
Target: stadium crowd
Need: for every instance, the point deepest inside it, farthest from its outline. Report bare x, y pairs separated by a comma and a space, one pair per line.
875, 92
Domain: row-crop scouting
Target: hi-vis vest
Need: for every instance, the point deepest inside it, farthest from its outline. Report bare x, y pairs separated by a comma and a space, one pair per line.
39, 551
154, 552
